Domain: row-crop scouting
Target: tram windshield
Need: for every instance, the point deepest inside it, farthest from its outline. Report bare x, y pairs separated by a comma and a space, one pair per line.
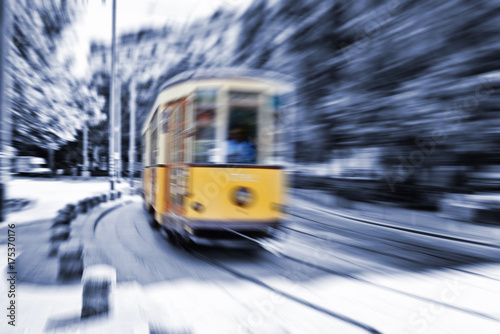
242, 133
242, 119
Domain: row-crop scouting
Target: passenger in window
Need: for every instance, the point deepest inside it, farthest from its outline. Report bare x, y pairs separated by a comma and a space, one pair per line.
204, 126
240, 149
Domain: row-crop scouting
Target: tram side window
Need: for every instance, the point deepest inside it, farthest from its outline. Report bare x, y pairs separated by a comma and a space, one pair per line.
143, 151
204, 145
242, 134
154, 139
277, 102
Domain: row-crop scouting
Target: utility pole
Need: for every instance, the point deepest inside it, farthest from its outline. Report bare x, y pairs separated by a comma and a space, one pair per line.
5, 117
112, 105
131, 152
118, 130
85, 149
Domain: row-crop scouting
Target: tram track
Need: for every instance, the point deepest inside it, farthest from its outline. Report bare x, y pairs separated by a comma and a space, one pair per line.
365, 281
396, 244
236, 273
239, 274
418, 248
307, 302
399, 228
369, 250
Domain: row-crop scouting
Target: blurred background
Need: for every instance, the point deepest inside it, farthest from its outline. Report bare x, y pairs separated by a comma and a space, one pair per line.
393, 129
397, 99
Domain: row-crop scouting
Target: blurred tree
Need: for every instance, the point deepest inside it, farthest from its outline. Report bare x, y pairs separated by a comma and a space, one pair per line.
398, 75
49, 103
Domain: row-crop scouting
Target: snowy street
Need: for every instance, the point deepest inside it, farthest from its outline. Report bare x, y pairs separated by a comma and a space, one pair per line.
250, 166
322, 273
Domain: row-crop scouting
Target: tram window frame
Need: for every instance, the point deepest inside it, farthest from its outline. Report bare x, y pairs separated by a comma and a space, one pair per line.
274, 123
250, 134
170, 134
281, 119
205, 103
182, 128
154, 139
144, 148
165, 118
177, 133
189, 129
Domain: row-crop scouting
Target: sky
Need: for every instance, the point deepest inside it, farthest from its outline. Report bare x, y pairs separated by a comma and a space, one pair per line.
131, 15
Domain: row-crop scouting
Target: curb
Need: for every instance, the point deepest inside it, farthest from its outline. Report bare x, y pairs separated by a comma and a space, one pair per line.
99, 283
70, 250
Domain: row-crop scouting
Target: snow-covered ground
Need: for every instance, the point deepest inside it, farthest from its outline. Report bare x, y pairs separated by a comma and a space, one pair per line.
47, 196
242, 307
189, 305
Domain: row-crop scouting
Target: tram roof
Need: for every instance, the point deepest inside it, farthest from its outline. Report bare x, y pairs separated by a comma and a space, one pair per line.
284, 82
278, 79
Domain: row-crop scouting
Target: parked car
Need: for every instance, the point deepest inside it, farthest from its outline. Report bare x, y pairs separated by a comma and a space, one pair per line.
31, 166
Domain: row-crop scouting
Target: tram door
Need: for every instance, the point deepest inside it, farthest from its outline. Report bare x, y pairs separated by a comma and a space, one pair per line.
154, 157
166, 123
178, 156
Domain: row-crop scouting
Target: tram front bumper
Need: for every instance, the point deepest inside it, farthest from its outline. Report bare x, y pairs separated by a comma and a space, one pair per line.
223, 230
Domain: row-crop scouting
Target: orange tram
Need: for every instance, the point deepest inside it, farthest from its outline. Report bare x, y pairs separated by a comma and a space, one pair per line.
212, 153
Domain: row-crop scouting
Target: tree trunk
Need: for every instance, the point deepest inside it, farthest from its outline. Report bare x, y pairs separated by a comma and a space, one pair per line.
85, 148
51, 160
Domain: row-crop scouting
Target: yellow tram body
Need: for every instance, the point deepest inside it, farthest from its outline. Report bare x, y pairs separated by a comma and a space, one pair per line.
197, 188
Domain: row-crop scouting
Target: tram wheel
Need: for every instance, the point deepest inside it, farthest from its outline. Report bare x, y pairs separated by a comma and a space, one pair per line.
152, 220
171, 236
185, 242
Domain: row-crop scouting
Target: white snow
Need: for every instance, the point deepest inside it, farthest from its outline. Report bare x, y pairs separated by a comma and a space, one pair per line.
242, 307
50, 195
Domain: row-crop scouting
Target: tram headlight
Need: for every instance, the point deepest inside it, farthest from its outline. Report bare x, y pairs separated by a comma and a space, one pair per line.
243, 197
198, 207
